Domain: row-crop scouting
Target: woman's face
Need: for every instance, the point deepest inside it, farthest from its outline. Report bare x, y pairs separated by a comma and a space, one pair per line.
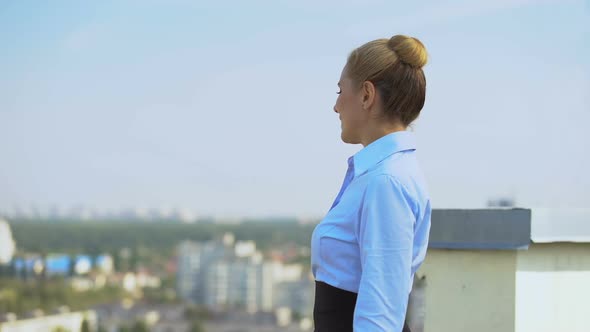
349, 107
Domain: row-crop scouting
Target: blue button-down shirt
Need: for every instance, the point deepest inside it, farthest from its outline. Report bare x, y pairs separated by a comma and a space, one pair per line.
375, 235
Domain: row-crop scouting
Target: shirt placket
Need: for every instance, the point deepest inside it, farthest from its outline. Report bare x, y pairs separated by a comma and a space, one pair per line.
347, 179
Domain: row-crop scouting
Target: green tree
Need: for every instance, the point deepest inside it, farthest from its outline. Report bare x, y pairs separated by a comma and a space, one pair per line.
60, 329
85, 326
196, 326
139, 326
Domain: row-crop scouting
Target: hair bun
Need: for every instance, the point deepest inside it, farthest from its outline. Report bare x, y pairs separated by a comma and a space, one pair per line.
409, 50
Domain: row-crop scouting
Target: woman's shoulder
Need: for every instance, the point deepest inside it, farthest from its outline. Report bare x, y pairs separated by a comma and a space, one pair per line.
404, 170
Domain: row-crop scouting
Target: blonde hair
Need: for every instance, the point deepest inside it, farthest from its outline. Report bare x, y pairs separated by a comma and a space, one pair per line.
394, 66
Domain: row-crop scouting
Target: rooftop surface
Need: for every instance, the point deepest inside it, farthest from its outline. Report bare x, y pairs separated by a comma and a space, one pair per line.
516, 228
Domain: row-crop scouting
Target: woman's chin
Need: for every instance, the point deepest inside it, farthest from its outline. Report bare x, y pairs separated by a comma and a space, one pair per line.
346, 139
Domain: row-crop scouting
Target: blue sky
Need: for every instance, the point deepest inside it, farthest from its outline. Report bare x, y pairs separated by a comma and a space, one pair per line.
225, 107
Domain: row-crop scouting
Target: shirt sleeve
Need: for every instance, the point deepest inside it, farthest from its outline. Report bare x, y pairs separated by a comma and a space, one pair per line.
385, 236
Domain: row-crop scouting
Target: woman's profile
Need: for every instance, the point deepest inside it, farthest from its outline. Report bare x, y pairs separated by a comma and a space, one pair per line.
369, 245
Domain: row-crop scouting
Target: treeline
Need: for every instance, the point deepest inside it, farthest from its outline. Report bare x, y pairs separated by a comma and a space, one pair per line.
48, 295
94, 238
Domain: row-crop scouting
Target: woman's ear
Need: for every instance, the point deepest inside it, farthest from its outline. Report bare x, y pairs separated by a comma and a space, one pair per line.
368, 93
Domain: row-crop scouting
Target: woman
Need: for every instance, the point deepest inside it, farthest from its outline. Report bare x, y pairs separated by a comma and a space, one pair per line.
368, 247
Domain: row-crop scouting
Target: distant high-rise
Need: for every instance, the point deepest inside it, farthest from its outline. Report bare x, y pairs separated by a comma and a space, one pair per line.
7, 245
501, 202
241, 283
227, 274
194, 259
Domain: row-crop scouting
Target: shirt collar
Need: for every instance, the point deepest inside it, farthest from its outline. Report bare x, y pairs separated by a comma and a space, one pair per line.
380, 149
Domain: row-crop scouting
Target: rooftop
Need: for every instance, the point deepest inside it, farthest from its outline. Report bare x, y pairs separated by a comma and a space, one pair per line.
507, 229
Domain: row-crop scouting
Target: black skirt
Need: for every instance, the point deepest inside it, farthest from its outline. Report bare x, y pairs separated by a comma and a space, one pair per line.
333, 310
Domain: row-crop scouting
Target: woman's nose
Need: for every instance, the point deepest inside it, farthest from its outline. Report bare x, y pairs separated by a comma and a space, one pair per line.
335, 109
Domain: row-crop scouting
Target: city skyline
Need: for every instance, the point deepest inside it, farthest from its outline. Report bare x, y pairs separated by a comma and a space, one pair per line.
226, 109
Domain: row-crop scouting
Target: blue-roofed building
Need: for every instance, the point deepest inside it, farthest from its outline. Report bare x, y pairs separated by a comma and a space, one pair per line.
58, 265
18, 265
28, 266
510, 270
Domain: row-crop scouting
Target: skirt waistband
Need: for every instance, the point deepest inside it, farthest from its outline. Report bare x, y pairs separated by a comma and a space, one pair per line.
333, 309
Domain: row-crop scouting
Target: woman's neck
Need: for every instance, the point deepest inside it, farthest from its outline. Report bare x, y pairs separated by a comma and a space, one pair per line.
375, 132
